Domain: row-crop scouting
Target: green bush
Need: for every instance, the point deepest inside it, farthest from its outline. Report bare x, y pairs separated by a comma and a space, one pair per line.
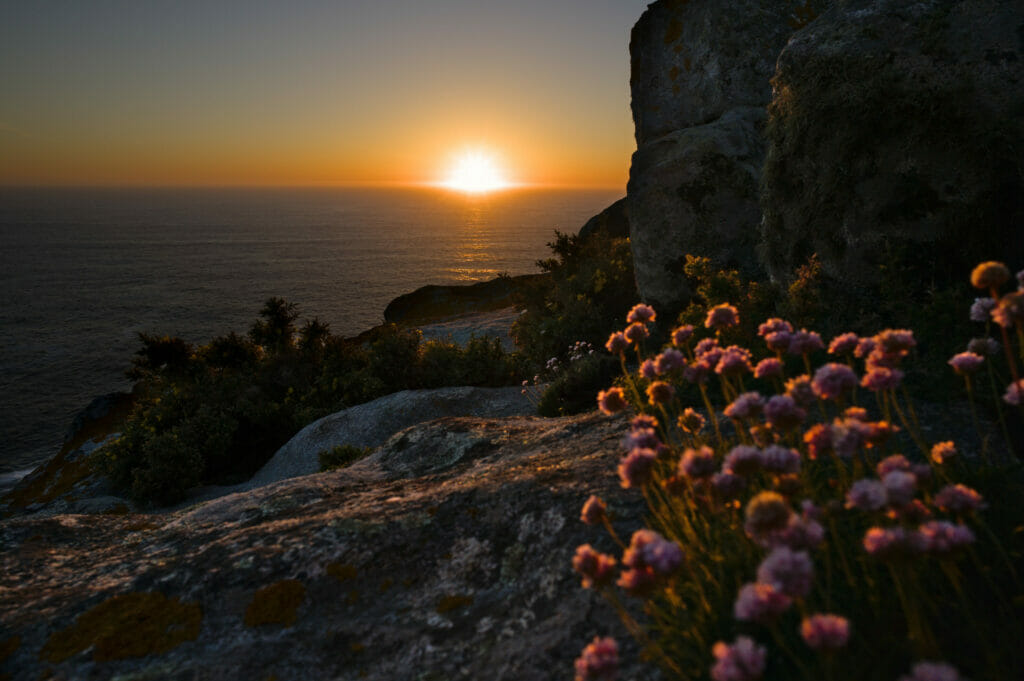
341, 456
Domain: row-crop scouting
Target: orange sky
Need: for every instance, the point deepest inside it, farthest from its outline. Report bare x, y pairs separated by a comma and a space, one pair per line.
315, 92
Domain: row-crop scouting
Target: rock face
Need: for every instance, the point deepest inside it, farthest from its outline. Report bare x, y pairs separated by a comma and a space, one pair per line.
895, 136
613, 221
445, 555
432, 303
698, 69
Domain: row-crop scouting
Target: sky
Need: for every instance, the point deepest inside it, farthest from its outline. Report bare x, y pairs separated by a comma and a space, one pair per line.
310, 92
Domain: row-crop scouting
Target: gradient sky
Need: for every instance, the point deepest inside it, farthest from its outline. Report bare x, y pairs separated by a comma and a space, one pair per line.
311, 91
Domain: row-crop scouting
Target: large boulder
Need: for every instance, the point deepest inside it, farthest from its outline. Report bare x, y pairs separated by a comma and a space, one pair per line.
698, 71
695, 191
613, 221
896, 142
445, 555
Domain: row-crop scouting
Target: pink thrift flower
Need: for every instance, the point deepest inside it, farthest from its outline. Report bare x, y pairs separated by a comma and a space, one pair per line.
681, 335
769, 367
933, 671
734, 361
833, 380
981, 309
636, 332
742, 460
856, 413
1015, 393
942, 536
599, 661
986, 347
597, 569
847, 437
760, 603
691, 421
774, 325
727, 485
660, 392
958, 498
697, 372
778, 341
896, 341
782, 413
766, 514
647, 548
801, 532
744, 660
880, 378
638, 581
697, 463
722, 316
825, 632
896, 462
989, 275
594, 511
865, 347
801, 390
844, 344
706, 346
966, 363
647, 370
643, 421
899, 487
635, 469
640, 314
804, 342
617, 343
641, 438
789, 571
611, 401
866, 495
747, 405
669, 360
885, 542
818, 440
780, 460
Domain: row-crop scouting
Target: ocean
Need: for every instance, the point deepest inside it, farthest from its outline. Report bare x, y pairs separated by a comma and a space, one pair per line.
83, 271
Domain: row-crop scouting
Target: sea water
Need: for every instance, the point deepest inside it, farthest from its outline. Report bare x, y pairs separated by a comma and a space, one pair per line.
84, 271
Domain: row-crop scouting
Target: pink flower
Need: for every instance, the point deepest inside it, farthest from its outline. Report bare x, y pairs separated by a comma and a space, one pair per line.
778, 341
804, 342
1015, 393
782, 412
697, 463
981, 309
611, 401
660, 392
958, 498
986, 347
640, 314
880, 378
899, 487
744, 660
789, 571
818, 440
966, 363
833, 380
635, 468
648, 549
636, 332
707, 347
943, 451
727, 485
844, 344
766, 514
856, 413
896, 462
801, 532
597, 569
638, 581
942, 536
933, 671
691, 421
641, 438
747, 405
825, 632
734, 361
682, 334
801, 390
891, 541
599, 661
865, 347
866, 495
769, 367
742, 460
760, 603
643, 421
896, 341
780, 460
669, 360
774, 325
989, 275
647, 370
722, 316
594, 511
617, 343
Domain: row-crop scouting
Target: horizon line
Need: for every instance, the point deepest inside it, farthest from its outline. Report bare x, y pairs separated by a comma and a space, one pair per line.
512, 186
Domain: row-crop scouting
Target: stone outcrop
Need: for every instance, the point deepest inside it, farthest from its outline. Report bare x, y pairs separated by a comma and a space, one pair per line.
444, 555
895, 141
697, 69
432, 303
613, 221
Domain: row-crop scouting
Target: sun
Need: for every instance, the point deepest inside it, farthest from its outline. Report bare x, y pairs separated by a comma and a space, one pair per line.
475, 172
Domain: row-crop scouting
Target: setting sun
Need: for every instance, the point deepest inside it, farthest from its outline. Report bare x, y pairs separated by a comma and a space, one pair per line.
475, 172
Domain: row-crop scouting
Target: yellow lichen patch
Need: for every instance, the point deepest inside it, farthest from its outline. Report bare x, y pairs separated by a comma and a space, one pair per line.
276, 604
449, 603
342, 572
673, 73
674, 30
129, 625
8, 647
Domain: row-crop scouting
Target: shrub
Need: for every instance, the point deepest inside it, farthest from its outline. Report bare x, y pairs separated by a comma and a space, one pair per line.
341, 456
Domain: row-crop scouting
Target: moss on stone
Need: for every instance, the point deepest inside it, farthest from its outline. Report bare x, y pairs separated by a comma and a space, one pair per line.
127, 625
277, 603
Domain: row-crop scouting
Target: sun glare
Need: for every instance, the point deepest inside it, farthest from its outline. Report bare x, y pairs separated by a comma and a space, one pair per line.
475, 172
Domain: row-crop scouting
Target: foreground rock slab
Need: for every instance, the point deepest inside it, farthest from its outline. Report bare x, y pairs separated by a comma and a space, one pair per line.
444, 555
